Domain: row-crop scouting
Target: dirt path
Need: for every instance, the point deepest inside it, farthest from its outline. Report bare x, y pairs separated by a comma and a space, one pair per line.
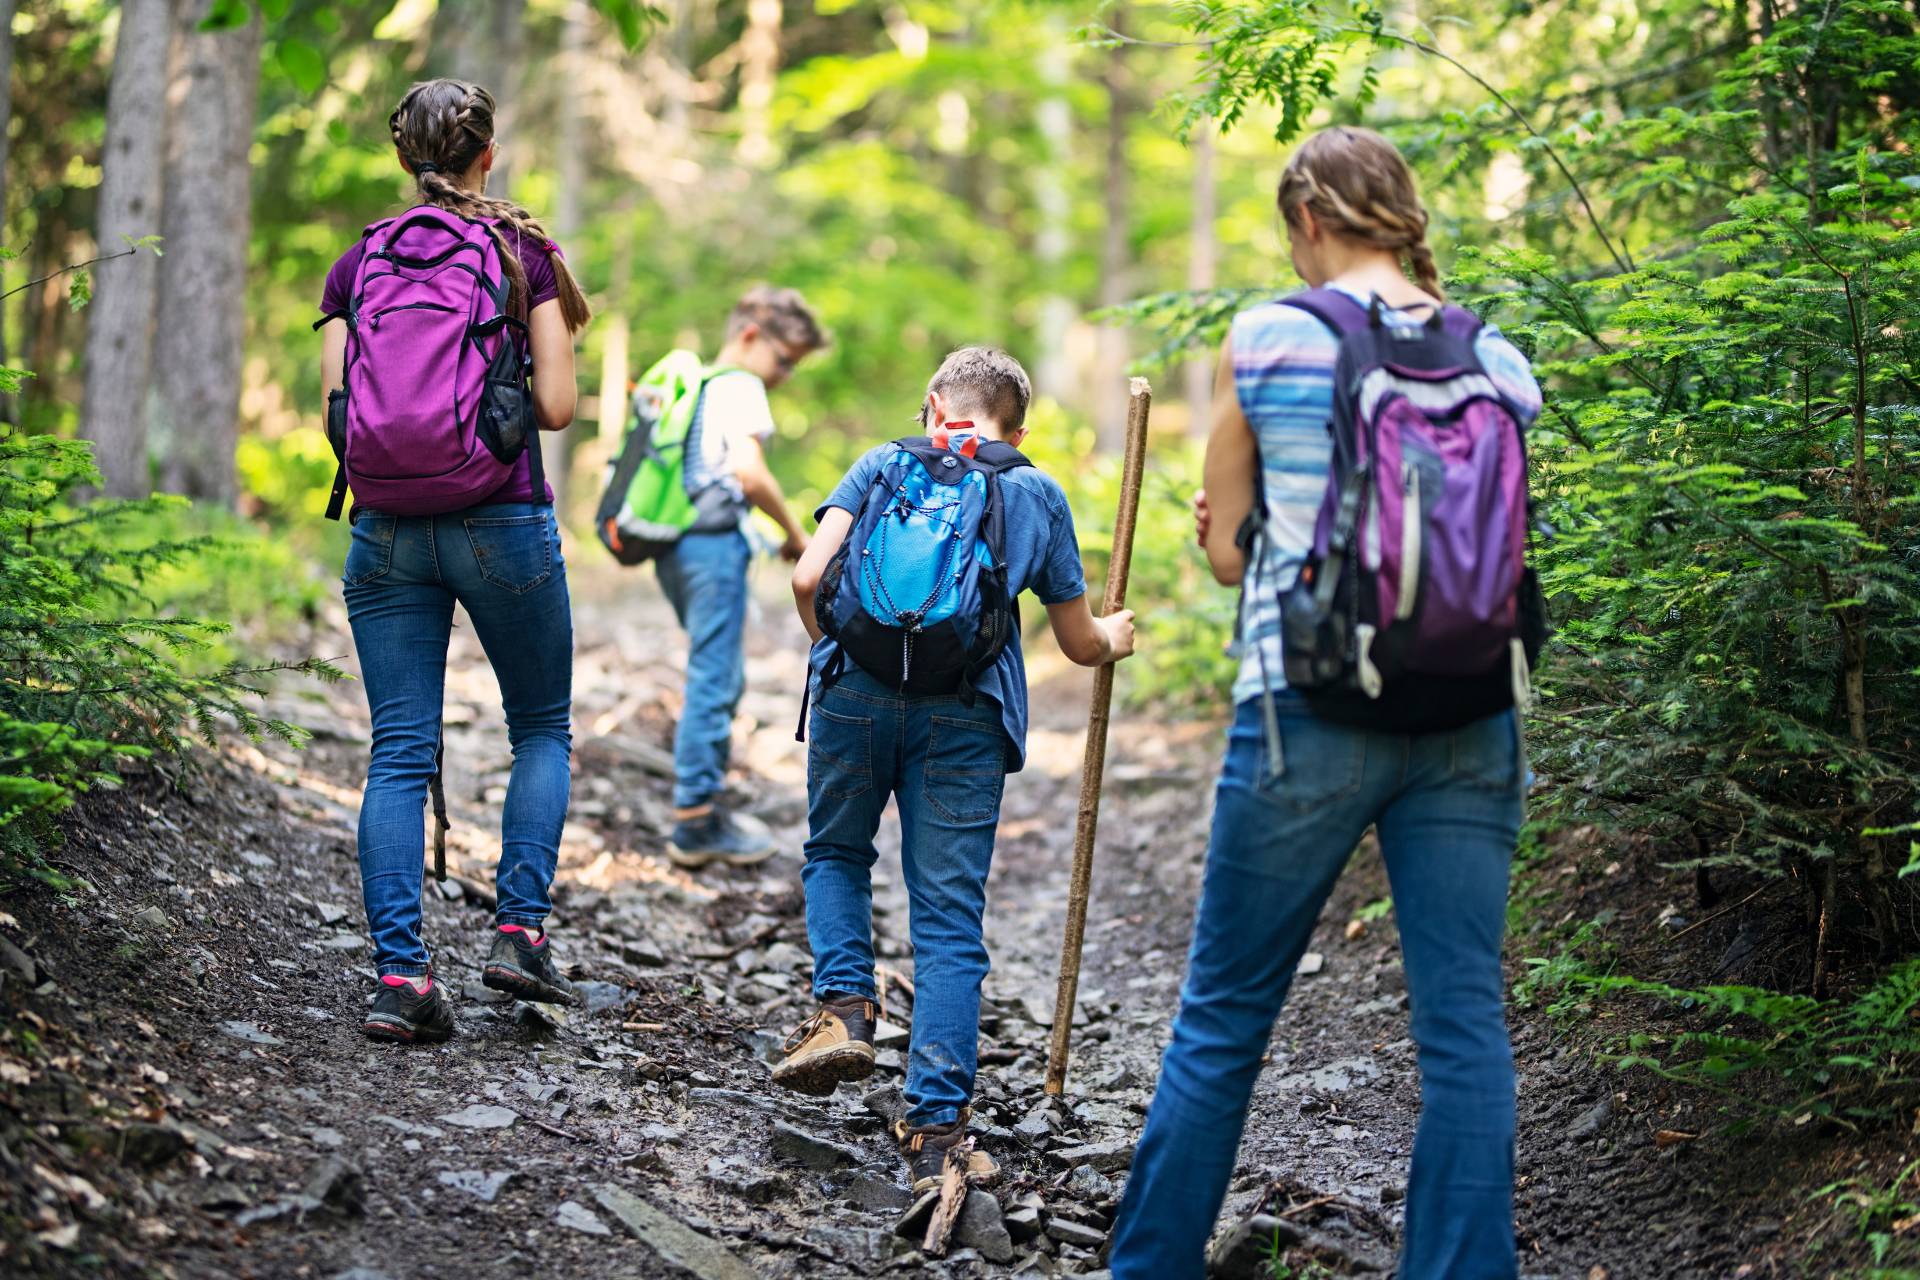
200, 1073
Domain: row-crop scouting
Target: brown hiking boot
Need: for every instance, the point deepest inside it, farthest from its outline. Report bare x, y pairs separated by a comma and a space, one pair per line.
927, 1148
835, 1044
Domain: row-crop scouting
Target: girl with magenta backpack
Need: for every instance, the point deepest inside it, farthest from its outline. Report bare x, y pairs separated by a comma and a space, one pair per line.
448, 347
1388, 622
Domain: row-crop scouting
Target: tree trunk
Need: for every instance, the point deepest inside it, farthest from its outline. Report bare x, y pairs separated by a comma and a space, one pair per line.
759, 68
1053, 120
1109, 400
120, 322
6, 118
570, 172
1202, 256
483, 41
204, 274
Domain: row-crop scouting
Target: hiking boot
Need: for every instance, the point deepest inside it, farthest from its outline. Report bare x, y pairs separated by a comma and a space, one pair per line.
719, 836
835, 1044
925, 1148
402, 1014
523, 967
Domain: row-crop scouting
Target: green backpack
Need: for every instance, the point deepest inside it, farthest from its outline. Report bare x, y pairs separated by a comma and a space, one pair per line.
646, 506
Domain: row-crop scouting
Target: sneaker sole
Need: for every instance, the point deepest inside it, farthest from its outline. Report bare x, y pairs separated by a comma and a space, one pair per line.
386, 1032
819, 1074
517, 984
693, 860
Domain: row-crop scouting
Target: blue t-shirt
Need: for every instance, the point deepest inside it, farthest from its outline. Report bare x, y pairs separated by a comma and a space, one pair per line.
1043, 556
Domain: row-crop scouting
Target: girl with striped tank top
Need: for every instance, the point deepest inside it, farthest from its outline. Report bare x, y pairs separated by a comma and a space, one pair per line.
1297, 790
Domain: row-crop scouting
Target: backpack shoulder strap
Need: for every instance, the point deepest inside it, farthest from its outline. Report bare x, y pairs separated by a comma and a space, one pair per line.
1332, 308
997, 455
1461, 323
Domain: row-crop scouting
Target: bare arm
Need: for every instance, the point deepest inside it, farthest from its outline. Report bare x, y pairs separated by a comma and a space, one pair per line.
555, 392
762, 489
813, 562
1233, 463
1087, 640
333, 354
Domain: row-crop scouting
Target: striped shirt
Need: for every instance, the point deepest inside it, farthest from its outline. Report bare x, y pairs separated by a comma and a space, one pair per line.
1283, 362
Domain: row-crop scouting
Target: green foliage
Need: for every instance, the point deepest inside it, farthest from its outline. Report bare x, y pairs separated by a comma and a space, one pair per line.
1851, 1061
91, 677
1182, 616
1880, 1215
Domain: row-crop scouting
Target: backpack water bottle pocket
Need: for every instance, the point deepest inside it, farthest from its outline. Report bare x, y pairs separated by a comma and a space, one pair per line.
506, 407
1315, 639
337, 422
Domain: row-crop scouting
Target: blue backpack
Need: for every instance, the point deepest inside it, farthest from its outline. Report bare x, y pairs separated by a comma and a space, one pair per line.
917, 596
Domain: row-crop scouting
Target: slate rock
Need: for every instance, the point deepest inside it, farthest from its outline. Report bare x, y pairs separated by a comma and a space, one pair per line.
888, 1102
251, 1033
677, 1243
1090, 1184
748, 1181
1245, 1252
979, 1227
1102, 1157
330, 913
338, 1185
1078, 1234
882, 1195
577, 1216
601, 995
480, 1116
793, 1143
152, 918
341, 942
483, 1186
1034, 1128
1310, 963
1591, 1121
890, 1035
644, 952
1022, 1222
913, 1223
148, 1146
359, 1273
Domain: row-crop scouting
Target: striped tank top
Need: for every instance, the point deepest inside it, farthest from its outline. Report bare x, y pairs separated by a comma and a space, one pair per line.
1283, 363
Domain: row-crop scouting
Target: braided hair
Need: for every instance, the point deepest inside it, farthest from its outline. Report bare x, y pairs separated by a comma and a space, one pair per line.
1359, 186
440, 128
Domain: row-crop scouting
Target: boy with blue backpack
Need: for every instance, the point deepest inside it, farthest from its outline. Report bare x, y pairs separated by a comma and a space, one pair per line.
918, 691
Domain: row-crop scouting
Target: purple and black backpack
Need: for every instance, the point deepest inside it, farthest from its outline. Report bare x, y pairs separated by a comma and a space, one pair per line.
436, 409
1415, 610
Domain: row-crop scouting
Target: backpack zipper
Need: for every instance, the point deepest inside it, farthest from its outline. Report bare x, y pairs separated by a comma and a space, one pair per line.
373, 321
1410, 522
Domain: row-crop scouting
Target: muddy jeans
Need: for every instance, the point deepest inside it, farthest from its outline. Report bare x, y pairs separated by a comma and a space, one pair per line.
403, 575
1447, 807
946, 764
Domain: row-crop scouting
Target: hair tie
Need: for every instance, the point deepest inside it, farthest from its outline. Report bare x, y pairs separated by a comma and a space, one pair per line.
421, 170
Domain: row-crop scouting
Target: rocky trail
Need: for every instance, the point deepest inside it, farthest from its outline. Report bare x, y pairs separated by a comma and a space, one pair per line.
200, 1101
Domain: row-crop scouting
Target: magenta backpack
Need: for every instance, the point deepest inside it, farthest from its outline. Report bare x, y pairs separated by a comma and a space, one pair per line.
436, 409
1415, 610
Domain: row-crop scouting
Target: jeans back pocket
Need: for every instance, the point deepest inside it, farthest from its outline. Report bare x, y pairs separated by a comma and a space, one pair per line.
514, 553
966, 768
370, 554
839, 754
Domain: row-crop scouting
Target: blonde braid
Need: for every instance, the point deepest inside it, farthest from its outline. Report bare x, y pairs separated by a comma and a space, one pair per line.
1359, 186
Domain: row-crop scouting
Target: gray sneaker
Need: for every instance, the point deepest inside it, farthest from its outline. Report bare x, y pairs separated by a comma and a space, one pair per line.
720, 836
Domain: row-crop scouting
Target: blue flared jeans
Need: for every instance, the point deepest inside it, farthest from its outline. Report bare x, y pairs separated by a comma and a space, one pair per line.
1447, 808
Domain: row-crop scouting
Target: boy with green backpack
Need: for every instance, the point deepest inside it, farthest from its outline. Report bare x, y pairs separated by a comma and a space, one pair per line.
692, 467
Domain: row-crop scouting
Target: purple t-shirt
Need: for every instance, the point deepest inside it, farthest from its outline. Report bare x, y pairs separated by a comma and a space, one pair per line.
542, 286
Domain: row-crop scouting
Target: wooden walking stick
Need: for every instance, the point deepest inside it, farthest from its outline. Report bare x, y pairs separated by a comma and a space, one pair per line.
1092, 772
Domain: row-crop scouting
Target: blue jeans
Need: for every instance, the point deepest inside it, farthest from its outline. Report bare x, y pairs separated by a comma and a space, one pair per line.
403, 575
946, 763
705, 578
1447, 807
